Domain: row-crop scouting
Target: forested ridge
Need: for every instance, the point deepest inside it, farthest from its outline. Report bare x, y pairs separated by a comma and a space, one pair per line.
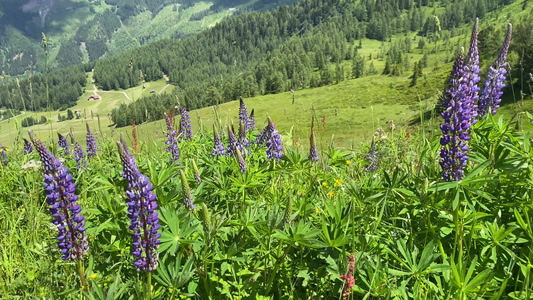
289, 48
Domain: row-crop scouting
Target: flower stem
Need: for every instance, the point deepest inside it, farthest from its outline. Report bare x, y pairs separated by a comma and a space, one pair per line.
149, 285
82, 277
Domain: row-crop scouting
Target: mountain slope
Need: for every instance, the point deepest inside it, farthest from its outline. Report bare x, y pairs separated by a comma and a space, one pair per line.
79, 31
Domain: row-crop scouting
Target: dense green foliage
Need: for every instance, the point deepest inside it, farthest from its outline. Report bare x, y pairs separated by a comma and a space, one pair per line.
285, 230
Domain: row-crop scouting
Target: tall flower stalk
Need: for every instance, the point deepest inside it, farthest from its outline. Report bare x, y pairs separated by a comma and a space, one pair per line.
456, 126
185, 126
218, 147
371, 158
494, 83
135, 139
92, 148
471, 73
66, 213
196, 172
243, 140
233, 143
313, 151
63, 143
79, 156
243, 113
172, 140
251, 121
144, 218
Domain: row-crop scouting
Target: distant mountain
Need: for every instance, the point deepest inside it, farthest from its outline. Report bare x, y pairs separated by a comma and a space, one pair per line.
80, 31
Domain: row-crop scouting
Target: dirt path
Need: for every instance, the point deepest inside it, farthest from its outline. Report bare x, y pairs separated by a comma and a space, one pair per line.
168, 80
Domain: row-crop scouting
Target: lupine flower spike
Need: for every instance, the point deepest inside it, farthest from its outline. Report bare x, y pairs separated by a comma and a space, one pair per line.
28, 147
142, 213
63, 143
233, 143
240, 159
218, 147
492, 90
243, 113
371, 158
313, 152
251, 121
271, 137
185, 127
79, 156
196, 172
187, 195
243, 141
471, 73
172, 140
91, 143
3, 155
349, 280
60, 195
456, 126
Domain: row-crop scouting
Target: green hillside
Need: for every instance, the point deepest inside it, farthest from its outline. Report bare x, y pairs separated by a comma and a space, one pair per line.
80, 31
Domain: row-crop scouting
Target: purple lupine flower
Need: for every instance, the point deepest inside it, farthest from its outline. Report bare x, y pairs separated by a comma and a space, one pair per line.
471, 72
233, 143
91, 143
243, 113
218, 147
60, 195
142, 213
313, 152
251, 121
456, 126
243, 141
196, 172
79, 156
3, 154
240, 159
28, 147
185, 126
492, 91
63, 143
172, 140
274, 148
371, 158
187, 195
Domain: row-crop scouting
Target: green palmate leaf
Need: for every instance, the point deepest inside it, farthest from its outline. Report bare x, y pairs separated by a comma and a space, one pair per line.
179, 231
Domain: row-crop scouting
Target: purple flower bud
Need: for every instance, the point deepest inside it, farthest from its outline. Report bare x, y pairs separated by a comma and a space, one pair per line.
271, 137
196, 172
251, 121
185, 126
240, 159
218, 147
313, 152
63, 143
492, 91
3, 155
60, 195
243, 113
172, 140
243, 141
28, 147
471, 73
144, 219
79, 156
91, 143
233, 143
371, 158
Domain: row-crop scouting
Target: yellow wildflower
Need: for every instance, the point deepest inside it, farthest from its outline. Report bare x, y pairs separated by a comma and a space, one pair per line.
348, 162
331, 193
324, 183
93, 276
337, 183
317, 211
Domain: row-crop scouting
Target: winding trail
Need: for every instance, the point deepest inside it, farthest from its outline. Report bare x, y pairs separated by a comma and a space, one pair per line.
168, 80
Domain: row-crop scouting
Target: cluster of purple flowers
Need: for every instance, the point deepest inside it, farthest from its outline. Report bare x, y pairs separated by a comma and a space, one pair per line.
172, 140
185, 126
243, 113
91, 143
271, 137
28, 147
218, 147
60, 195
251, 121
3, 155
63, 143
142, 213
233, 144
371, 158
79, 156
243, 141
240, 160
492, 90
461, 109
